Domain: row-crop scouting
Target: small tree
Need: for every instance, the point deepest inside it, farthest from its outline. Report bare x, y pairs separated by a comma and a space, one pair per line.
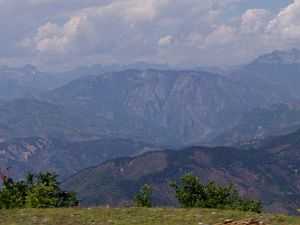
13, 194
39, 190
191, 193
143, 198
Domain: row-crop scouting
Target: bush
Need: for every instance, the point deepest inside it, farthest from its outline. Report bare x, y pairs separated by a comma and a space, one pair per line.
192, 193
41, 190
143, 198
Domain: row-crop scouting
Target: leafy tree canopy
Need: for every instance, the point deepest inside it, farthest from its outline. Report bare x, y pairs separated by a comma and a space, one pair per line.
190, 193
143, 198
40, 190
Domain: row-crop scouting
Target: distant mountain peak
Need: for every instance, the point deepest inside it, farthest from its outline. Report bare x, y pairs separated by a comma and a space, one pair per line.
291, 56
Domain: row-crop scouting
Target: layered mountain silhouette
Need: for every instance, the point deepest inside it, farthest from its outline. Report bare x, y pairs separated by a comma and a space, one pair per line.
28, 81
262, 122
41, 154
275, 76
81, 118
270, 172
186, 106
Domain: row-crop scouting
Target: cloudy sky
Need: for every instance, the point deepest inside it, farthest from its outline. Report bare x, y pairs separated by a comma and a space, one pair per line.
61, 34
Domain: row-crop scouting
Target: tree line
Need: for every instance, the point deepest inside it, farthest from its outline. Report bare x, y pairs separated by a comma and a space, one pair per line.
191, 193
42, 190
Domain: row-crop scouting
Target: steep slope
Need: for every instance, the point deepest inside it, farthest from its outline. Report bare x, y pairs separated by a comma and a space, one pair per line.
262, 122
28, 117
275, 76
186, 106
270, 172
41, 154
9, 90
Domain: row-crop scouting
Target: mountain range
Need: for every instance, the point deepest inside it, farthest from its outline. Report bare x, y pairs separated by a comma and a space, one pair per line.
276, 75
270, 172
40, 154
29, 117
28, 81
72, 120
184, 106
261, 123
22, 118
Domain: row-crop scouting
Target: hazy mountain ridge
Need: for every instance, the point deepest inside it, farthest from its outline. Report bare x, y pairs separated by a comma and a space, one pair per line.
276, 76
29, 81
41, 154
162, 107
280, 57
188, 106
269, 172
262, 122
26, 81
29, 117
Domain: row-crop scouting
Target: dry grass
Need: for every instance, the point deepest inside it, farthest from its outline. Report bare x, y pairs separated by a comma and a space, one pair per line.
133, 216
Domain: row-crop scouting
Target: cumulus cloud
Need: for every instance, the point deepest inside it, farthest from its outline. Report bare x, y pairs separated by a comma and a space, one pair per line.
285, 27
54, 39
192, 32
254, 20
165, 41
221, 35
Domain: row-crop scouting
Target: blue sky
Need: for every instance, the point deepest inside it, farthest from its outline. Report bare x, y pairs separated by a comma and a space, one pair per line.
62, 34
272, 5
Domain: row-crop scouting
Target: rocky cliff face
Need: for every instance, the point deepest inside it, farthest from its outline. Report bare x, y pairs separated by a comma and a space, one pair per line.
187, 106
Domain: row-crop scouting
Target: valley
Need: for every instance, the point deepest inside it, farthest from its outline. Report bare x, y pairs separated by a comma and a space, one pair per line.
109, 133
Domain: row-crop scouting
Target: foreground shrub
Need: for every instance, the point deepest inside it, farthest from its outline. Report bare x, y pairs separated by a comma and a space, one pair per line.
41, 190
143, 198
192, 193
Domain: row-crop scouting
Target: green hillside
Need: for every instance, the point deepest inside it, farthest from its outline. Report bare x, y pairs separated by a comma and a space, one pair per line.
136, 216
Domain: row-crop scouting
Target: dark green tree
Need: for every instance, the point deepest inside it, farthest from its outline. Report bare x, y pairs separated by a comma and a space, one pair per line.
190, 192
41, 190
143, 198
13, 194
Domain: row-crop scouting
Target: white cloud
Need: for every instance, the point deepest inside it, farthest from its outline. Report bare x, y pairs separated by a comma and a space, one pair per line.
165, 41
254, 20
191, 32
285, 27
77, 33
221, 35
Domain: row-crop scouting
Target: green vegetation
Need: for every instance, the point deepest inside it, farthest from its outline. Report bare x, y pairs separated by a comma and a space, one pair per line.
41, 190
133, 216
143, 198
192, 194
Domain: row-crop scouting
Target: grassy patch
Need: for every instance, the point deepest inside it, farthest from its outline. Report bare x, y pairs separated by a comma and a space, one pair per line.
132, 216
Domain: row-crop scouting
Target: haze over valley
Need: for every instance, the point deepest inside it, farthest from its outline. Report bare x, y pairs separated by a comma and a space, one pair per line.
149, 99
